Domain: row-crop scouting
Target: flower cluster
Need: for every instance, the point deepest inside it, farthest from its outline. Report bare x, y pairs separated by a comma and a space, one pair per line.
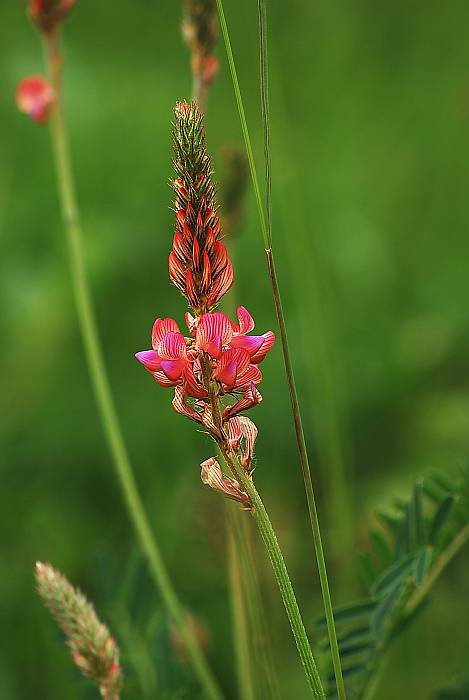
214, 368
47, 14
93, 649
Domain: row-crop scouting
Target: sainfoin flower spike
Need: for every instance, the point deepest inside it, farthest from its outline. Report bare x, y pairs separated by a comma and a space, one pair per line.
93, 649
214, 366
35, 97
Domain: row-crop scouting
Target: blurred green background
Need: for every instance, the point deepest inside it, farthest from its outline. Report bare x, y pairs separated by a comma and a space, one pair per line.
370, 112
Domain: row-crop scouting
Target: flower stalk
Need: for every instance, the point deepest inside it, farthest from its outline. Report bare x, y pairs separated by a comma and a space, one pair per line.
48, 15
215, 370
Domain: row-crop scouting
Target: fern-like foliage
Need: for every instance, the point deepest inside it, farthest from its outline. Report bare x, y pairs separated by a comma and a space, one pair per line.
408, 550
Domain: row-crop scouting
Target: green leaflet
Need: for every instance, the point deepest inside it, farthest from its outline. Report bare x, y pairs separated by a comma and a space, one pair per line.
408, 550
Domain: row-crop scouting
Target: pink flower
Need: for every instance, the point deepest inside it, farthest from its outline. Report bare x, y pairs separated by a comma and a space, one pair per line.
234, 371
35, 97
215, 332
256, 345
168, 359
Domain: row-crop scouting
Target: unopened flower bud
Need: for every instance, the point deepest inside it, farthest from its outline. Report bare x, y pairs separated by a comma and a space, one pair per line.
47, 14
35, 97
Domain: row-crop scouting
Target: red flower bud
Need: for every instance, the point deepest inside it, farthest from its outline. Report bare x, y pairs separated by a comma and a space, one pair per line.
47, 14
35, 96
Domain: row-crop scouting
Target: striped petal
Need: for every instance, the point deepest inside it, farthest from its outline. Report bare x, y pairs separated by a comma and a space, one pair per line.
245, 321
172, 346
251, 398
232, 365
161, 327
213, 332
269, 340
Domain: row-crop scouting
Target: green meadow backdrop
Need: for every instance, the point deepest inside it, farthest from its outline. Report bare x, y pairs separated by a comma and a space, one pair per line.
370, 145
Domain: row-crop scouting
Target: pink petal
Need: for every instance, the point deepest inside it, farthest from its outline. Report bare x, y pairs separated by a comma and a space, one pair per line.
269, 340
232, 364
251, 398
245, 320
250, 343
161, 327
149, 359
172, 347
173, 368
252, 375
191, 384
214, 331
163, 380
234, 432
181, 406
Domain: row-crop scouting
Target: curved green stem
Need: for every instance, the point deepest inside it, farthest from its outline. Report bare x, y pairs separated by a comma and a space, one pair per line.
100, 381
267, 238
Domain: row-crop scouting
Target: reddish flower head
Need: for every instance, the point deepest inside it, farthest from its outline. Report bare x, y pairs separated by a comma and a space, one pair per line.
35, 96
48, 13
219, 358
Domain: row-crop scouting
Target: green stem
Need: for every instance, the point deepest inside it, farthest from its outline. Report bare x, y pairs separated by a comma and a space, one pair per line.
238, 607
440, 565
267, 238
100, 381
281, 573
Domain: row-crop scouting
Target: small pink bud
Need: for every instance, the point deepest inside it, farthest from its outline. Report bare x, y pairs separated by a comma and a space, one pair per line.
210, 68
35, 96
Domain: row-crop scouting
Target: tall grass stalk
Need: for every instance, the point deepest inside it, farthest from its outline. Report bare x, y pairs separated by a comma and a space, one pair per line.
325, 378
244, 657
266, 230
99, 380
